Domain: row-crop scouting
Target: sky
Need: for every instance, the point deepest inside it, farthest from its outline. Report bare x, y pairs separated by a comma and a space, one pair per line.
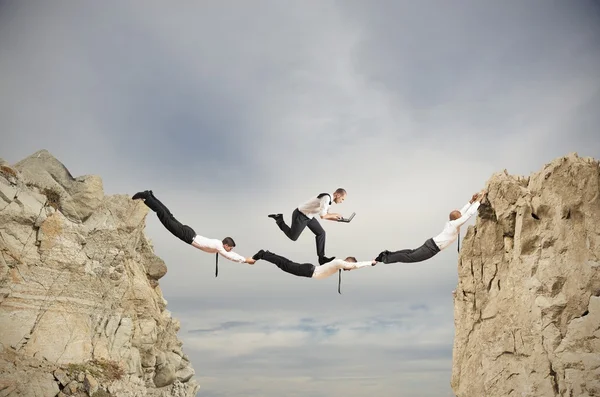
231, 110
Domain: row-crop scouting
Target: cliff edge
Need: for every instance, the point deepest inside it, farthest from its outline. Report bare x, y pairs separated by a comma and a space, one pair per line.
81, 310
527, 306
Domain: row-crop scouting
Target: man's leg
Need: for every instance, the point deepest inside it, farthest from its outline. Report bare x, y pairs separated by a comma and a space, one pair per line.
182, 232
160, 204
320, 235
420, 254
299, 221
297, 269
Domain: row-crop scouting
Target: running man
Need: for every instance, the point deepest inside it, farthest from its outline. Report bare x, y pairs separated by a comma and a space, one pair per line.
305, 215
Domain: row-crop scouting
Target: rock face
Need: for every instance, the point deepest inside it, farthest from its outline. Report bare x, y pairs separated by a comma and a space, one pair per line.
80, 306
527, 307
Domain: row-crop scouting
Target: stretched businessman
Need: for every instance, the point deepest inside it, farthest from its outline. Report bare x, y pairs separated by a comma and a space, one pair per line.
187, 234
435, 244
310, 270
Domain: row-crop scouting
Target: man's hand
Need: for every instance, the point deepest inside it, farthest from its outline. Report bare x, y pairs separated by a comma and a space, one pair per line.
474, 197
250, 261
482, 195
373, 262
332, 217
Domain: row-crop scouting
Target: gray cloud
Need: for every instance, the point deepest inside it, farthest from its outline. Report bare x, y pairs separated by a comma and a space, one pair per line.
358, 347
529, 68
223, 326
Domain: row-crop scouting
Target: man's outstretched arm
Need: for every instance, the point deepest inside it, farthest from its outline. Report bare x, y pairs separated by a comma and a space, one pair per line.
235, 257
466, 207
472, 208
357, 265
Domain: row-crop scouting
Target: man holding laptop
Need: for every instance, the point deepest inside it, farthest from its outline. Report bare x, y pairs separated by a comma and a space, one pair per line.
305, 215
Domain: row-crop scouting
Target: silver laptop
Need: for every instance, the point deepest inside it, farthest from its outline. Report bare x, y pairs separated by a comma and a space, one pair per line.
347, 220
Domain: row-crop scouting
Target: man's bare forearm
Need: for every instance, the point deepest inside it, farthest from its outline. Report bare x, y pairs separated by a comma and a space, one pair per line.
331, 217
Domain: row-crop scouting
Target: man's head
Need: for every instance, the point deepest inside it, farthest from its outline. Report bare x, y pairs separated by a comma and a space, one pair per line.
339, 196
228, 243
454, 215
351, 259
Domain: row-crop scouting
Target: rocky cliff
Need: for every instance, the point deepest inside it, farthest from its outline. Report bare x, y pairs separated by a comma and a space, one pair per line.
81, 310
527, 307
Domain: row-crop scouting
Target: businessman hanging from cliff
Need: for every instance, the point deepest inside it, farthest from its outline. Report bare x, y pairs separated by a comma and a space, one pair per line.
435, 244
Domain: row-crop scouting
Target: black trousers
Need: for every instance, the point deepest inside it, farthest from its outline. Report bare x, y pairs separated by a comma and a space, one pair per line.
182, 232
299, 222
424, 252
297, 269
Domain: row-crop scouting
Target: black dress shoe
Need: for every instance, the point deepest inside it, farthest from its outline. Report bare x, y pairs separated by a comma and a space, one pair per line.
259, 255
382, 256
323, 260
141, 195
277, 217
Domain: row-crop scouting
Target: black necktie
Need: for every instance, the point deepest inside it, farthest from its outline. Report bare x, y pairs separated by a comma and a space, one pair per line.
217, 264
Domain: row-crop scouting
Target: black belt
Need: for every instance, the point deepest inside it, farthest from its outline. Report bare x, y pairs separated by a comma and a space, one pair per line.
217, 264
339, 281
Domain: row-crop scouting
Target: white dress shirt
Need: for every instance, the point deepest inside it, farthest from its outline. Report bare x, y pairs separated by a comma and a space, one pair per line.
330, 268
450, 232
315, 206
213, 245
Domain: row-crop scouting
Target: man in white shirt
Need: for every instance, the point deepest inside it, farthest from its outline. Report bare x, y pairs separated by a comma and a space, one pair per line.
305, 215
310, 270
187, 234
434, 245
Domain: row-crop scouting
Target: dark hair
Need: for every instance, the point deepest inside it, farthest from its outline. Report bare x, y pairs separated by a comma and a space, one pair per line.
340, 191
351, 259
229, 241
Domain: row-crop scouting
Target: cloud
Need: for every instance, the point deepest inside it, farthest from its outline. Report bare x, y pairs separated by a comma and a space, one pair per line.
223, 326
317, 350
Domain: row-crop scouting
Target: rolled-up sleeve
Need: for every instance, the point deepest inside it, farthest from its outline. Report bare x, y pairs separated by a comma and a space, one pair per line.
324, 206
354, 265
465, 208
232, 256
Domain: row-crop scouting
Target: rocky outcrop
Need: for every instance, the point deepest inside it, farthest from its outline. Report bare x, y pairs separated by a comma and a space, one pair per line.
527, 306
79, 197
80, 306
